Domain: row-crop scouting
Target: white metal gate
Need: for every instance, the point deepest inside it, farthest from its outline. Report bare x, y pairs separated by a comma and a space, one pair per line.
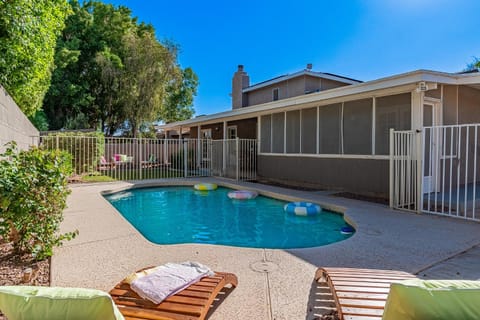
451, 172
404, 170
436, 170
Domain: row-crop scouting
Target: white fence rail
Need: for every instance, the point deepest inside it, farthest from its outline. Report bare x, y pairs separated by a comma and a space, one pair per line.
404, 170
134, 159
450, 172
436, 171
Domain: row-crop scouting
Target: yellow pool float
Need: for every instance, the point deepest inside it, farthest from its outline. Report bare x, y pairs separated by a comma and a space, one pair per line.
205, 186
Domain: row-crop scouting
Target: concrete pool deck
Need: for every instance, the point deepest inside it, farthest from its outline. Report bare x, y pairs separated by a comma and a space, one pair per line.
108, 248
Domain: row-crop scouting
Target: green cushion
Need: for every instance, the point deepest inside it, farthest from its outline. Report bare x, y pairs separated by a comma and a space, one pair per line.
123, 157
433, 299
28, 302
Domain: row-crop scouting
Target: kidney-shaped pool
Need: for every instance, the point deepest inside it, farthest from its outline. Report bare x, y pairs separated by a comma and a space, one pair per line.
173, 215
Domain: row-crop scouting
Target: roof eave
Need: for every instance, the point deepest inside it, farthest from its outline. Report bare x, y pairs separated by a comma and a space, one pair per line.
383, 83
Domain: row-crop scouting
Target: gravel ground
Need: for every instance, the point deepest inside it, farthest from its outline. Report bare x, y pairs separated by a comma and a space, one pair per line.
21, 270
13, 268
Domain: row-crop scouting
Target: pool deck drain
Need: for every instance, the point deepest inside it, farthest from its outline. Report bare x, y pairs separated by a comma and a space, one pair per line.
264, 266
108, 248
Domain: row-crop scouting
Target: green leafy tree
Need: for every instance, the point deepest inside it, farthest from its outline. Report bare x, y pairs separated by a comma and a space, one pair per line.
33, 193
179, 104
113, 71
28, 33
149, 68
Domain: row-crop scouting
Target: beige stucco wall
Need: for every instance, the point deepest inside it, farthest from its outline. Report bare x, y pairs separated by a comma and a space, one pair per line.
461, 105
291, 88
14, 125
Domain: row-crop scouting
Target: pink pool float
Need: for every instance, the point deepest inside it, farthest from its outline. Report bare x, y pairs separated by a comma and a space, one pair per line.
242, 194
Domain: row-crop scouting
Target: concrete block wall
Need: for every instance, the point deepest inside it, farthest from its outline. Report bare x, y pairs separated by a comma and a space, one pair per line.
14, 125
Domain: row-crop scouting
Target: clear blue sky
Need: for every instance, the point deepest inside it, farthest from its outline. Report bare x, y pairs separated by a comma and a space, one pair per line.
361, 39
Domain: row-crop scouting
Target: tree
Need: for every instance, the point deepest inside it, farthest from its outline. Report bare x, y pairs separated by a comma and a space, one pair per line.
180, 97
28, 33
149, 68
115, 73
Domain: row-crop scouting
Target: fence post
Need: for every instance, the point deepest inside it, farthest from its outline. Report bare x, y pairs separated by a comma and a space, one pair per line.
391, 168
185, 160
236, 158
420, 140
224, 157
140, 153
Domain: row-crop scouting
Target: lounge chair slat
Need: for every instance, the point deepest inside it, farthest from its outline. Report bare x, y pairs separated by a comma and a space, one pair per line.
362, 303
362, 289
190, 303
363, 311
369, 279
165, 305
365, 271
360, 294
363, 284
138, 313
192, 293
348, 317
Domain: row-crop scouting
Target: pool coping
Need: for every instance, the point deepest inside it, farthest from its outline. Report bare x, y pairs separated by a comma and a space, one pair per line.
108, 248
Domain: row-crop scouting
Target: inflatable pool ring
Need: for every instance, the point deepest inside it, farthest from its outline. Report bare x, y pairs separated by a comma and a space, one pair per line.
347, 230
242, 194
302, 208
205, 186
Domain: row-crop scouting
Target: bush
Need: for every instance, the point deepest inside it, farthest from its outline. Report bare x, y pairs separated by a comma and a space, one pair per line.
33, 193
177, 160
86, 148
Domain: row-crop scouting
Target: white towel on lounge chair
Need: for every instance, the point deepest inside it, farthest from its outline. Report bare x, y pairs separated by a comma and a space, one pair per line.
168, 279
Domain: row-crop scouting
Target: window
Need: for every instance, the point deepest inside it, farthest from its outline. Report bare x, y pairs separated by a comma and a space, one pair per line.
357, 126
309, 130
391, 112
293, 131
206, 145
329, 129
266, 133
206, 134
232, 132
275, 94
278, 126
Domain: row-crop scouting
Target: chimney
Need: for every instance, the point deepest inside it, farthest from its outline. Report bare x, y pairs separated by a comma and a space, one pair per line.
240, 81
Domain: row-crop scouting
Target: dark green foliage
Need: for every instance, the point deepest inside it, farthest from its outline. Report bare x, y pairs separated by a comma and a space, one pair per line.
85, 148
180, 97
33, 190
39, 120
114, 72
28, 33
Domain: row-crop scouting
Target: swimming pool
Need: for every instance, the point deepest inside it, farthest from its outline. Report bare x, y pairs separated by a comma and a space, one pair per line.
173, 215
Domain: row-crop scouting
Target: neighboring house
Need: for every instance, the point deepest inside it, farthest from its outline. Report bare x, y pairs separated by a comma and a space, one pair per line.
332, 132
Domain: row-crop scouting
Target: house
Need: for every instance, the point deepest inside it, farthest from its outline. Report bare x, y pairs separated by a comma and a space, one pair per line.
329, 131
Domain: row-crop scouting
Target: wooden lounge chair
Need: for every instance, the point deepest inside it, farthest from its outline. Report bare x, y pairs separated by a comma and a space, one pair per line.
360, 294
193, 302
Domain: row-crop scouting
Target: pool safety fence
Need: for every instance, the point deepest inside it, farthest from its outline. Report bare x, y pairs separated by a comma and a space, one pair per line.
436, 170
139, 158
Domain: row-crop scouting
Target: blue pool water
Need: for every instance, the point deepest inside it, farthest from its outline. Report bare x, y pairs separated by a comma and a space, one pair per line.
171, 215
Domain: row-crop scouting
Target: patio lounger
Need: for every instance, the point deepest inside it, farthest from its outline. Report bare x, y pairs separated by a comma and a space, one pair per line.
193, 302
105, 165
360, 293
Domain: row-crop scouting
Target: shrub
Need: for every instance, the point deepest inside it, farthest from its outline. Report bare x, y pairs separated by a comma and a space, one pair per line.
86, 148
33, 193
